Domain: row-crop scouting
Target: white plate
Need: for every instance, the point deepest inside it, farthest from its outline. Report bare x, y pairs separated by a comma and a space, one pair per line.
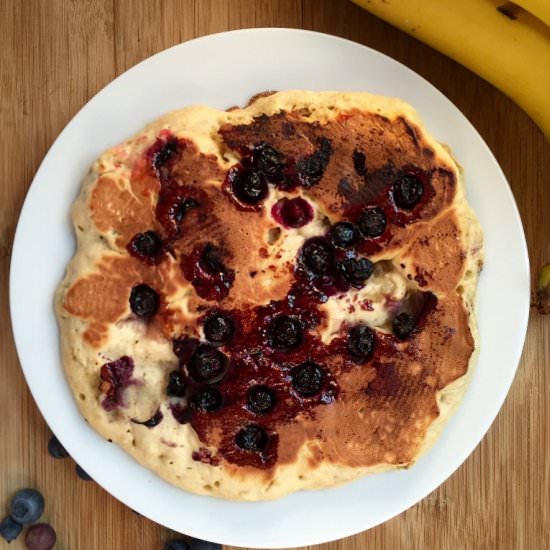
223, 70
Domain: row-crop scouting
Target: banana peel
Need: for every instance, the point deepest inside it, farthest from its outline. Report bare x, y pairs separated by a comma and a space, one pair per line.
500, 41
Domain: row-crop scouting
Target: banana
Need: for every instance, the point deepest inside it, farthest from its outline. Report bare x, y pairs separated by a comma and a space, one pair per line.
500, 41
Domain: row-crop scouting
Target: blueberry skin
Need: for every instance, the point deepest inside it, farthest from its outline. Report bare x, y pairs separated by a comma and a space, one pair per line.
176, 544
27, 506
82, 474
55, 448
197, 544
10, 529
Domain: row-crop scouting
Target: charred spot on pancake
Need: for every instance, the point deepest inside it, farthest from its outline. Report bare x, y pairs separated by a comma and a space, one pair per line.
293, 213
176, 384
361, 342
207, 364
372, 222
218, 328
355, 271
310, 169
307, 379
252, 438
146, 246
115, 377
206, 399
260, 399
359, 162
344, 234
317, 256
284, 333
407, 191
403, 325
144, 301
155, 420
204, 269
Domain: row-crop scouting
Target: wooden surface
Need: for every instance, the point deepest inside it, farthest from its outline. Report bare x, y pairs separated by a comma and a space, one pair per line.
56, 54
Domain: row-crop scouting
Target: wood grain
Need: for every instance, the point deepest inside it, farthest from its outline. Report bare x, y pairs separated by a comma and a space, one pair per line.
56, 54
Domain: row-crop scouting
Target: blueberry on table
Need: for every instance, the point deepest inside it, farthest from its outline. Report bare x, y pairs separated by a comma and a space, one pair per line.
27, 506
176, 544
82, 474
10, 529
197, 544
40, 537
55, 448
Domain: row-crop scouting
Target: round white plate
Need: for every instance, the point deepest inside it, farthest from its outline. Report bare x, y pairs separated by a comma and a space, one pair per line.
223, 70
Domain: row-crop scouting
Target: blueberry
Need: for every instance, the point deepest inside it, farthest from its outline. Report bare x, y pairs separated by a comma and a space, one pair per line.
267, 160
10, 529
176, 384
356, 272
84, 476
218, 329
210, 260
55, 448
144, 301
249, 186
165, 152
27, 506
372, 222
403, 325
407, 191
284, 333
147, 245
207, 399
176, 544
40, 537
180, 207
252, 438
361, 342
197, 544
155, 420
317, 256
307, 378
207, 363
260, 399
344, 234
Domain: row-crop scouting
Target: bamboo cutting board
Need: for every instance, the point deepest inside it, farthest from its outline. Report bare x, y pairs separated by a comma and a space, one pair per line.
56, 54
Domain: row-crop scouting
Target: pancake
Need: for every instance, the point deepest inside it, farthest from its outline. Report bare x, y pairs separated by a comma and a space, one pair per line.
273, 298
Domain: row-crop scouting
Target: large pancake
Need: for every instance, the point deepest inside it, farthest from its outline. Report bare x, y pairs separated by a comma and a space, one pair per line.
342, 153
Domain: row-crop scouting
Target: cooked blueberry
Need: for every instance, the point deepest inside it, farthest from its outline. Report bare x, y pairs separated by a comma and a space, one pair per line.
218, 329
10, 529
144, 301
197, 544
252, 438
355, 271
307, 378
268, 161
292, 212
55, 448
165, 152
176, 544
403, 325
207, 363
359, 162
344, 234
210, 260
27, 506
249, 186
284, 333
176, 384
260, 399
155, 420
311, 168
207, 399
372, 222
82, 474
407, 191
361, 342
146, 245
317, 256
40, 537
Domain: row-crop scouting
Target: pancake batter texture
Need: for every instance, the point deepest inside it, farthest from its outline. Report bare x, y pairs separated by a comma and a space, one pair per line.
273, 298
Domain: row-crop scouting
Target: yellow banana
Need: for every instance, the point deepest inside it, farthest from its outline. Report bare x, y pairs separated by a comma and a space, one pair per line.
498, 40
